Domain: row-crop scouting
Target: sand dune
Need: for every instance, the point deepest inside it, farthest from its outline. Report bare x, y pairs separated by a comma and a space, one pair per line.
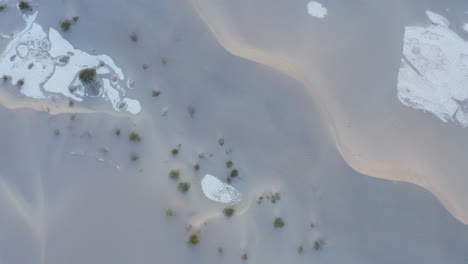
355, 137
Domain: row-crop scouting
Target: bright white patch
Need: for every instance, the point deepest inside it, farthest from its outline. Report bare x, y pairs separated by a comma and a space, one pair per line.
437, 19
433, 75
317, 10
49, 64
219, 191
465, 27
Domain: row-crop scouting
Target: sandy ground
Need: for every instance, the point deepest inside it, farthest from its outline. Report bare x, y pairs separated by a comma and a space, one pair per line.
66, 199
349, 64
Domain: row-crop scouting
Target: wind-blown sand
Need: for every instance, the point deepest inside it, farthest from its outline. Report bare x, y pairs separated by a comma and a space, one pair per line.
387, 143
75, 190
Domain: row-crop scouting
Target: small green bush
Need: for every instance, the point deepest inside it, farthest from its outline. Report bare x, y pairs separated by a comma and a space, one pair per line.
220, 250
229, 211
234, 173
174, 174
229, 164
134, 137
196, 166
184, 187
245, 256
75, 18
156, 93
175, 151
23, 6
65, 25
169, 212
193, 239
87, 75
3, 7
56, 132
20, 82
117, 132
278, 223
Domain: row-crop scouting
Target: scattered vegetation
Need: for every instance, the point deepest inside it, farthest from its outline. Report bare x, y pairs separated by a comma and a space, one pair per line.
184, 187
20, 82
56, 132
134, 136
24, 6
155, 93
117, 131
220, 250
174, 174
3, 7
318, 244
145, 67
5, 78
278, 223
221, 141
104, 150
229, 211
229, 164
170, 212
75, 18
275, 197
175, 151
65, 25
134, 37
70, 103
196, 166
87, 75
300, 249
134, 157
73, 117
245, 256
312, 225
228, 179
193, 239
234, 173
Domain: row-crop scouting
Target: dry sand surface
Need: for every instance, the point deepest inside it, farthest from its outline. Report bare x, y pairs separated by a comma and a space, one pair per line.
286, 112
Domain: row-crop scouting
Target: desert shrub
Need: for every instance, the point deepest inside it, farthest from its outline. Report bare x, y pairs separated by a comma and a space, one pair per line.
234, 173
24, 6
175, 151
184, 187
174, 174
169, 212
193, 239
134, 157
278, 223
134, 136
87, 75
229, 211
65, 25
20, 82
155, 93
318, 244
229, 164
196, 166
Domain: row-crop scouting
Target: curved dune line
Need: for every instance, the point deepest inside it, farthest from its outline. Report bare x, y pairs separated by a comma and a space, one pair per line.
374, 169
